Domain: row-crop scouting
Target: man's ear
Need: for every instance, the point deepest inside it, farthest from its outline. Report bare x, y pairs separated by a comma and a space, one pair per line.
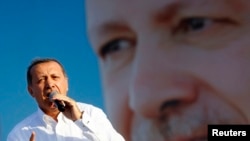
30, 91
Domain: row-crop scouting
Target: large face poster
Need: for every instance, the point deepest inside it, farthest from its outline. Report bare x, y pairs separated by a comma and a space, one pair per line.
170, 68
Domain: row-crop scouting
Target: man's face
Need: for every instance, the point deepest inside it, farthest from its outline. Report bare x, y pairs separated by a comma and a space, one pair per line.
170, 67
47, 77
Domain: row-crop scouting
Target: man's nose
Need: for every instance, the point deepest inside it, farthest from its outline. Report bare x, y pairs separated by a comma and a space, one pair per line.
49, 83
157, 83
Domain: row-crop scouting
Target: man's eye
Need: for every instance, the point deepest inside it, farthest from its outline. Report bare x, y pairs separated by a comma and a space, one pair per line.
193, 24
55, 77
114, 47
40, 80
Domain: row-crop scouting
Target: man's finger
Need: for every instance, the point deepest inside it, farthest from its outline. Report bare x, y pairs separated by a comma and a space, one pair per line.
32, 137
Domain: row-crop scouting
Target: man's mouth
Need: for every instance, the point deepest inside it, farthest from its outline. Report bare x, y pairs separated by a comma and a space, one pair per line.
188, 138
47, 94
52, 105
189, 132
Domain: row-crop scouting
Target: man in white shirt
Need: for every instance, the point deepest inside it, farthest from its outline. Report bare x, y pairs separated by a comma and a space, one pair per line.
76, 122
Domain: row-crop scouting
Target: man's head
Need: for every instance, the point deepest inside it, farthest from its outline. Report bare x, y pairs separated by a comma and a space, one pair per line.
44, 76
170, 67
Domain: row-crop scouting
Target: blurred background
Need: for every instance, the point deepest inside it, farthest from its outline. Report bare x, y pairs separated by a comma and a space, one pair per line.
43, 28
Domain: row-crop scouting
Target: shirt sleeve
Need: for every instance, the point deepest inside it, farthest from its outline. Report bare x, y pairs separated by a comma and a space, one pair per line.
97, 122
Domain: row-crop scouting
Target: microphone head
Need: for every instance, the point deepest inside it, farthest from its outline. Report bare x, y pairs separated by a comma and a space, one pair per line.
59, 104
51, 95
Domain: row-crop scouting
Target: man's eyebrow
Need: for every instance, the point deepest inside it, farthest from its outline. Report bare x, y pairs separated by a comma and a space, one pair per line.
110, 27
237, 6
167, 12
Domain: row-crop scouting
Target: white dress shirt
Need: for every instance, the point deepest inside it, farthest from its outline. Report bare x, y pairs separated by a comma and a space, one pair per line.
93, 126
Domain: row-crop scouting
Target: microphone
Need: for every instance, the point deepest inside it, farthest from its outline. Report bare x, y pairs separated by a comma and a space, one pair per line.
59, 104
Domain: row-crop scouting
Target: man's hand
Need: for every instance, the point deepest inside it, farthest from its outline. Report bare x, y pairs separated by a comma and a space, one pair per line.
71, 109
32, 137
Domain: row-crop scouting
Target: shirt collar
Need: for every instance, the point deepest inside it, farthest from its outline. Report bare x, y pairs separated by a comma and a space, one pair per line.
45, 118
49, 120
